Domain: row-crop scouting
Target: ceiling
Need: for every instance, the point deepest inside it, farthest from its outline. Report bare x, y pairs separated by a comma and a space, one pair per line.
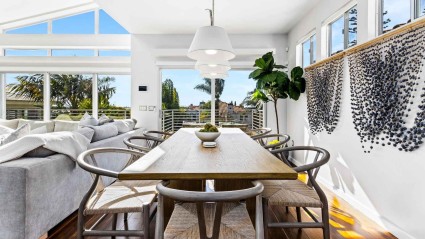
185, 16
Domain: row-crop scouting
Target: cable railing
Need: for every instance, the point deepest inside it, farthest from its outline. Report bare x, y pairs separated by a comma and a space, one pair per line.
64, 114
173, 120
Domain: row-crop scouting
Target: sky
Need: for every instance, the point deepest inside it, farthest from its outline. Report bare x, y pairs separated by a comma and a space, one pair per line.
236, 86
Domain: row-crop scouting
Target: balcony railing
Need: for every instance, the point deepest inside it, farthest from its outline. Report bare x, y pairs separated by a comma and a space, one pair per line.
74, 114
173, 120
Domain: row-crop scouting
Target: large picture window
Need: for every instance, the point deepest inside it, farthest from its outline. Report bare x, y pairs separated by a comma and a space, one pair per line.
394, 13
77, 24
114, 96
343, 32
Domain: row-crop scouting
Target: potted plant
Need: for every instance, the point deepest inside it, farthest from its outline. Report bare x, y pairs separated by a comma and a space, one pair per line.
208, 134
274, 84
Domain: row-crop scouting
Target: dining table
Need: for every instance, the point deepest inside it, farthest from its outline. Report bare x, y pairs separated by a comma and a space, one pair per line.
232, 164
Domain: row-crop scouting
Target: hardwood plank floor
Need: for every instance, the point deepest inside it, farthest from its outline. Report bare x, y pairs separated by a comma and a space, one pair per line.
346, 223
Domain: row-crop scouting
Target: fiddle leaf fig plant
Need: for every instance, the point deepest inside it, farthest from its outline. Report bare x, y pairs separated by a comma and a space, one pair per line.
274, 84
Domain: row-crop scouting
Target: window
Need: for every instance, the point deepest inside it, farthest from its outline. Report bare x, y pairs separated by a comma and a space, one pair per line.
420, 8
343, 32
309, 51
21, 52
114, 53
24, 96
33, 29
395, 13
77, 24
114, 94
107, 25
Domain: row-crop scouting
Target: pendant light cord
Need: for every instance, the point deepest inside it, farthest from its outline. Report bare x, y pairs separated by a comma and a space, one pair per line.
212, 12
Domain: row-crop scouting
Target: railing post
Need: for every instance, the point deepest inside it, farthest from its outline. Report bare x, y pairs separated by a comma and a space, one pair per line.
172, 120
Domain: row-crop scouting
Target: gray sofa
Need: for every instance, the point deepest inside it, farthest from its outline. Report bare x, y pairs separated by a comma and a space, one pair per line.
38, 193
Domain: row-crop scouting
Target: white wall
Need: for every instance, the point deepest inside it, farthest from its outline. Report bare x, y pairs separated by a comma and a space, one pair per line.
150, 53
386, 185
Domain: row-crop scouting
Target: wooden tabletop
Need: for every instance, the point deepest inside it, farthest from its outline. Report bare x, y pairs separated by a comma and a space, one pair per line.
182, 156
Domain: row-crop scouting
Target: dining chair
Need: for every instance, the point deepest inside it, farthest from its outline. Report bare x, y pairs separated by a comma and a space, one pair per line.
260, 132
272, 141
209, 215
119, 197
149, 142
158, 134
295, 193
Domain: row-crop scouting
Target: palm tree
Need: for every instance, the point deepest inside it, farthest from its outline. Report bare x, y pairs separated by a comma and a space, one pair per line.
206, 87
67, 91
250, 102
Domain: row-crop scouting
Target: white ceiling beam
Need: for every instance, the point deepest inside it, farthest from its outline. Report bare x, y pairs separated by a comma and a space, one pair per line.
52, 64
66, 41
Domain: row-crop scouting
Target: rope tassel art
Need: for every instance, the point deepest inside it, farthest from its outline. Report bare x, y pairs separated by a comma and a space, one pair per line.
324, 86
387, 93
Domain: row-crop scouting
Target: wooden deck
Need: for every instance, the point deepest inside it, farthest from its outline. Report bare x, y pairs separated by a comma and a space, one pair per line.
346, 222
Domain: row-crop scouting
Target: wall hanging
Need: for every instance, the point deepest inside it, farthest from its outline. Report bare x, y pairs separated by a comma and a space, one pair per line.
324, 86
387, 92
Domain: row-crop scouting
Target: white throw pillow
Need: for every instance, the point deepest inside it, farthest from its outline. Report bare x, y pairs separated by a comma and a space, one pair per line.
39, 130
17, 134
50, 125
88, 120
5, 130
105, 119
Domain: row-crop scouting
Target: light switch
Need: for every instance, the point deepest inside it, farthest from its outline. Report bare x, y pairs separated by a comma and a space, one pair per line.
143, 108
151, 108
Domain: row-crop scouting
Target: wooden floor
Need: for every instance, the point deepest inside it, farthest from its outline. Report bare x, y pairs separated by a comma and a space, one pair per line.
345, 222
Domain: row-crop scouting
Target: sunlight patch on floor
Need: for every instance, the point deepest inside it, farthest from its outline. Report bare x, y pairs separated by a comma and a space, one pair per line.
350, 234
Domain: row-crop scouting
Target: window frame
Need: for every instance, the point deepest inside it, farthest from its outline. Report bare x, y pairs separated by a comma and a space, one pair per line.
414, 14
345, 17
308, 38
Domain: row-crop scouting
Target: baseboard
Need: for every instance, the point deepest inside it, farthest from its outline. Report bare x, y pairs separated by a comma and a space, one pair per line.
371, 214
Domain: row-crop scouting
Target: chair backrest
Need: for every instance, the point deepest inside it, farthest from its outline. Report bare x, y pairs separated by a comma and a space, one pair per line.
207, 197
260, 132
150, 141
158, 134
272, 141
321, 157
97, 171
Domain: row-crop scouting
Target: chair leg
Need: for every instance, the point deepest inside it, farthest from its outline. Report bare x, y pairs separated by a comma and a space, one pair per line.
266, 218
80, 224
125, 217
298, 214
114, 223
287, 209
325, 220
146, 221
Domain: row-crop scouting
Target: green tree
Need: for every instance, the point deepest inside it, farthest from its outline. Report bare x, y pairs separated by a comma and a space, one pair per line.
206, 87
248, 101
273, 84
67, 91
170, 96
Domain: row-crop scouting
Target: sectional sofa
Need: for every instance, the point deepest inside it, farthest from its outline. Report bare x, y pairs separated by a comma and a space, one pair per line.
38, 192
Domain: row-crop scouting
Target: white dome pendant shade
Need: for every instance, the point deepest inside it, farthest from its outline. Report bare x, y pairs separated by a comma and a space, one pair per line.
211, 43
213, 67
213, 75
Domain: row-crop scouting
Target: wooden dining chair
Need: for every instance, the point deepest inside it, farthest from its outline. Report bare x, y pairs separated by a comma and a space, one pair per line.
295, 193
260, 132
209, 215
145, 143
119, 197
272, 141
159, 134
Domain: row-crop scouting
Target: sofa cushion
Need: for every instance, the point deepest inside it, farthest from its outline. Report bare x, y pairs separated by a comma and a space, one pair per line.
105, 119
18, 133
5, 130
86, 132
88, 120
39, 130
10, 123
50, 125
103, 132
124, 126
40, 152
63, 125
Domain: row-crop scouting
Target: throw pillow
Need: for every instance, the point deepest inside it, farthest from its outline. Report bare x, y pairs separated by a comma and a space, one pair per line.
17, 134
5, 130
88, 120
36, 124
62, 125
105, 119
86, 132
104, 132
124, 126
39, 130
13, 124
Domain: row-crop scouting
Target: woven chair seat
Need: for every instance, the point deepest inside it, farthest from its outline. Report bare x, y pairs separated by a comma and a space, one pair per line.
292, 193
235, 222
122, 197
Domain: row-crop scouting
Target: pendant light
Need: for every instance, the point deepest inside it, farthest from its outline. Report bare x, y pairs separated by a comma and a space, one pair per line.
211, 43
221, 67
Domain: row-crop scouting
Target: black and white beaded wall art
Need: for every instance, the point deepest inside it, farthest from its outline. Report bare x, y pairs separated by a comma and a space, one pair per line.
324, 86
387, 92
